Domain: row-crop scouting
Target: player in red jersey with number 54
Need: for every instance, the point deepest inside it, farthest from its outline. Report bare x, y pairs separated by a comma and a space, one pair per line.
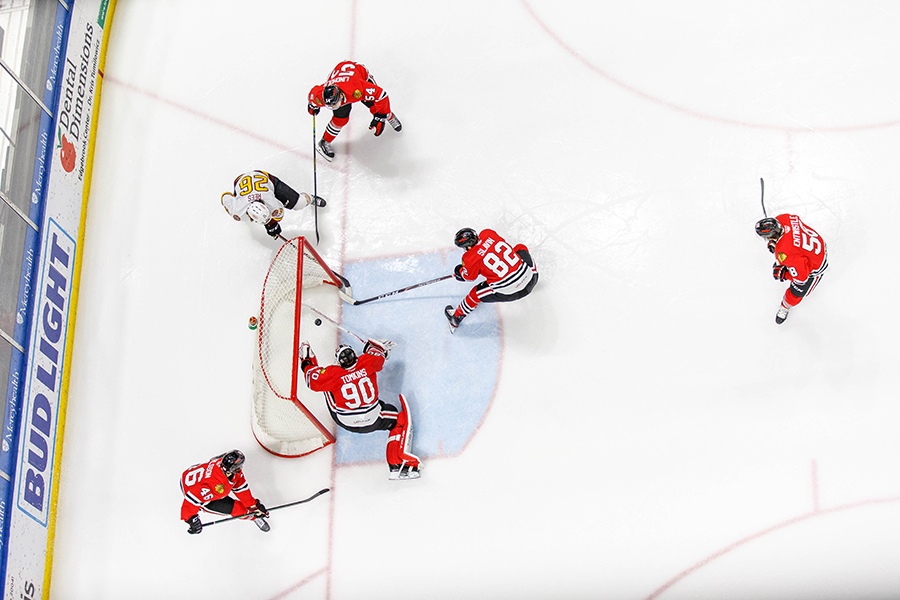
509, 271
800, 257
348, 83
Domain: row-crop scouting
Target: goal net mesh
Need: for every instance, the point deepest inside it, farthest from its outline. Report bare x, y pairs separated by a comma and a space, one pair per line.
282, 424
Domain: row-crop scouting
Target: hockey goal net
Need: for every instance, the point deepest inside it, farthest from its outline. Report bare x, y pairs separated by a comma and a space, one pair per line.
281, 422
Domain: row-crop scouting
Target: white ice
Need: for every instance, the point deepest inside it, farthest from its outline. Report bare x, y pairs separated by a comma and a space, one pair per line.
653, 432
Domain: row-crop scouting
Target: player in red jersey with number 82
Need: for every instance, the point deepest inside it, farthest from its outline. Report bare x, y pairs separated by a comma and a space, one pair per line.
509, 271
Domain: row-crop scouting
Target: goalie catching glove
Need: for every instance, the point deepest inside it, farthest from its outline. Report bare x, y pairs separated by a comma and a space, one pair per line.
385, 346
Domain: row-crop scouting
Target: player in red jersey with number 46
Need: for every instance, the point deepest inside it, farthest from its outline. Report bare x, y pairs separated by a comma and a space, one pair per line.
800, 257
509, 271
209, 486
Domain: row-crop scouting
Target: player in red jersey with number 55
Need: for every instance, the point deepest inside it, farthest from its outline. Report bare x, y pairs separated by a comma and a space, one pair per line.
800, 257
509, 271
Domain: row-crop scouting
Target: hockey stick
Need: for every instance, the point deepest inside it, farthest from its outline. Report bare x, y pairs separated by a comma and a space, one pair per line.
335, 323
313, 497
406, 289
762, 196
315, 188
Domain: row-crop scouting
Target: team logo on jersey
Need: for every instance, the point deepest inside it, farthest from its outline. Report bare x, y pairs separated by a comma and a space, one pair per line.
357, 94
220, 489
781, 256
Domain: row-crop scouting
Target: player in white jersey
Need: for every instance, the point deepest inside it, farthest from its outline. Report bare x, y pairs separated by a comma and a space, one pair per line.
261, 197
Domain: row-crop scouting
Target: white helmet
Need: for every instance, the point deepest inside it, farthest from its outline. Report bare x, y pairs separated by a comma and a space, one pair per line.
258, 212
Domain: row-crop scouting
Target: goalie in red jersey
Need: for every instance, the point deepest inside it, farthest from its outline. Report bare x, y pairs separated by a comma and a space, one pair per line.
348, 83
800, 257
209, 486
351, 391
509, 271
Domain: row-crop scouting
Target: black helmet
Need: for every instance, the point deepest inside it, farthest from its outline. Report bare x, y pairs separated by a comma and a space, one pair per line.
232, 462
345, 356
331, 95
769, 228
466, 238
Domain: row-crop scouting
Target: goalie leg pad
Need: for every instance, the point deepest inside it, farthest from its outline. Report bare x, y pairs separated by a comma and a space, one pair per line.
400, 439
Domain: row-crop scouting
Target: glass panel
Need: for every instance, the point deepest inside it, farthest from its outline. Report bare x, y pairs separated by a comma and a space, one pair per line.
12, 246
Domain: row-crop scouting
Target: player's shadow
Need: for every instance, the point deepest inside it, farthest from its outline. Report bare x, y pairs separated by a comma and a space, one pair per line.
384, 157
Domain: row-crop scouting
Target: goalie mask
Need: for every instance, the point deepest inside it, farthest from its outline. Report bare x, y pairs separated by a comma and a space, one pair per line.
332, 96
769, 228
258, 212
233, 462
466, 238
345, 356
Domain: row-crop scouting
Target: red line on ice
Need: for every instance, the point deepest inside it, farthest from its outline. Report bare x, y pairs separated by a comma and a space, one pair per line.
689, 111
816, 512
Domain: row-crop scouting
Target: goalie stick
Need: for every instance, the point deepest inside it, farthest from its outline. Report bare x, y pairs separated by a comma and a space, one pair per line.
406, 289
305, 500
388, 343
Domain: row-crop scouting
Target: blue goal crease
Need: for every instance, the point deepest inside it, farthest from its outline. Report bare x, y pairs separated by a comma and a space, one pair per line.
448, 380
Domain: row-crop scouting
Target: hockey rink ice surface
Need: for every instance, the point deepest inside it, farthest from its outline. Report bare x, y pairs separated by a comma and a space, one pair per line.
637, 428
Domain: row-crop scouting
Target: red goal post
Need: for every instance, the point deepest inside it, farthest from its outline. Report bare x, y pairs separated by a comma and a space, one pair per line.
281, 422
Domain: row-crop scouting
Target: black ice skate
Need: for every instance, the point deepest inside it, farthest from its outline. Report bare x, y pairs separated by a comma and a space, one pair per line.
405, 472
315, 201
782, 314
454, 320
262, 524
324, 148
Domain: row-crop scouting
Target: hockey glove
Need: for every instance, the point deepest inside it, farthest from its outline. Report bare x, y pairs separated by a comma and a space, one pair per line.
457, 272
779, 272
259, 510
273, 228
313, 109
307, 358
384, 345
194, 525
377, 123
771, 246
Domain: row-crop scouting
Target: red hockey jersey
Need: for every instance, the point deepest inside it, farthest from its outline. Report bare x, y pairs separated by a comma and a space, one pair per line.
800, 248
493, 258
354, 81
352, 394
207, 482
